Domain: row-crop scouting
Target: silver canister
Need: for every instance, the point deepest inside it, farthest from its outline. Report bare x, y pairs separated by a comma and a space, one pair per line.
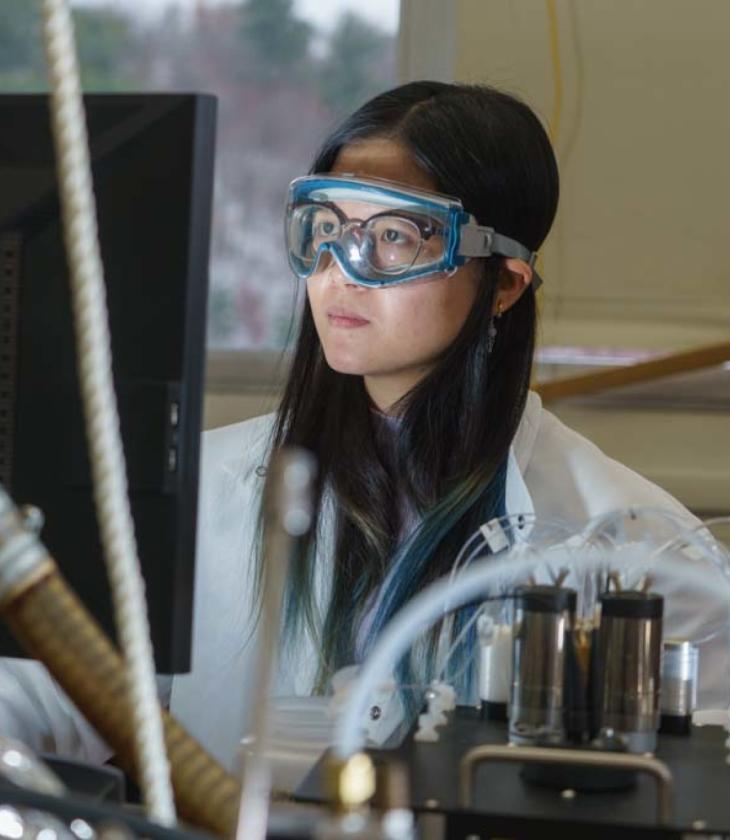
680, 666
544, 617
629, 678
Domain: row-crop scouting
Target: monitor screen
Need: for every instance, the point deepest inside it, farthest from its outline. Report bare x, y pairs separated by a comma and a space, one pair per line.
152, 159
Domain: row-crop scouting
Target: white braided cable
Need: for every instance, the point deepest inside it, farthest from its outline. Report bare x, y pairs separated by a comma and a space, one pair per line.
100, 408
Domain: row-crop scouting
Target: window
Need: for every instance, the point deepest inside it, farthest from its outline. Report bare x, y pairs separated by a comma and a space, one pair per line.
285, 72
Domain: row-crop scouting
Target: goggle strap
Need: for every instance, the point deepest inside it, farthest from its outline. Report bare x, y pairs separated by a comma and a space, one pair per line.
481, 241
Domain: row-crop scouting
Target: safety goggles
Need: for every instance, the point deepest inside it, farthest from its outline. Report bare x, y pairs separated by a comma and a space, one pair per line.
382, 233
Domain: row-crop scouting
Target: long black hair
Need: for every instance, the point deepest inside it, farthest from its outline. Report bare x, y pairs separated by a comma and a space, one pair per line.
456, 425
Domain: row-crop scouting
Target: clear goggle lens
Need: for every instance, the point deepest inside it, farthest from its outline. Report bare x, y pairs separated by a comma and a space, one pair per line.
389, 242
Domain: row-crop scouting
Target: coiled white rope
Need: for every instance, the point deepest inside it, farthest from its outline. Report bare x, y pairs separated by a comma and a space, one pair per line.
100, 407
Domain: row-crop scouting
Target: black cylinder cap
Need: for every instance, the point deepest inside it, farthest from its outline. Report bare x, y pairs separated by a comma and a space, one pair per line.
546, 599
675, 724
632, 604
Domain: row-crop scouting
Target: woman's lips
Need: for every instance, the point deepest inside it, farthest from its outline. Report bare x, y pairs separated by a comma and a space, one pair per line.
338, 316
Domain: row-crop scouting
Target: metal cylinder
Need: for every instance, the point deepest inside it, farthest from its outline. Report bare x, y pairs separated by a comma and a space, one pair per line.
678, 699
629, 643
544, 617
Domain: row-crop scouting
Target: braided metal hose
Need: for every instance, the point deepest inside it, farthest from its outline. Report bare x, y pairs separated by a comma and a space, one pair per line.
54, 626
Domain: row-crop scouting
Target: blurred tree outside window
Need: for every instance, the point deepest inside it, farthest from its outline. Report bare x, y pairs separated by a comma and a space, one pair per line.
283, 82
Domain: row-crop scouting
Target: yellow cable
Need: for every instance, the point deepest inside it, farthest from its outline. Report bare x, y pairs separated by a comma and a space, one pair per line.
554, 125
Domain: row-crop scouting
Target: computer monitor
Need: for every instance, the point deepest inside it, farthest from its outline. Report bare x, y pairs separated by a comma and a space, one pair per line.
152, 157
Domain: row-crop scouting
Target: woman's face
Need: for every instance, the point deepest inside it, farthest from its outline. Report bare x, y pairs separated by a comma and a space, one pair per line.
391, 336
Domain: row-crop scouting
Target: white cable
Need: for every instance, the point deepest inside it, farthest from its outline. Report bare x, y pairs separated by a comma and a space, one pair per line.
515, 522
597, 527
457, 563
100, 407
427, 607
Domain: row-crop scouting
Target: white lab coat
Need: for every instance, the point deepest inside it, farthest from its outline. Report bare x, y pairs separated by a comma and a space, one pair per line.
552, 472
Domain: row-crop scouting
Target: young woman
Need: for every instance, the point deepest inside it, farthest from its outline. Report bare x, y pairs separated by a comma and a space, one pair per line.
416, 238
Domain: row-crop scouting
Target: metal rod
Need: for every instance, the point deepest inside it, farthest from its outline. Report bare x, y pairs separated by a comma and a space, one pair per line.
576, 386
287, 516
584, 758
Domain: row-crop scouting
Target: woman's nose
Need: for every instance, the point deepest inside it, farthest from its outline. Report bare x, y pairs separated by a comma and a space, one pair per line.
333, 274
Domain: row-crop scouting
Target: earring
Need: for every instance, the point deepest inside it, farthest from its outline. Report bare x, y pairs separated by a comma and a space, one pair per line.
492, 327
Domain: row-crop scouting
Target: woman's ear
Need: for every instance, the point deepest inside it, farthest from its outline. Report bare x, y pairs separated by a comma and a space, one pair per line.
514, 277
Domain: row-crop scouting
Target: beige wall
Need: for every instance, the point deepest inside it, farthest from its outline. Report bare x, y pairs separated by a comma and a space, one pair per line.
221, 409
637, 255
